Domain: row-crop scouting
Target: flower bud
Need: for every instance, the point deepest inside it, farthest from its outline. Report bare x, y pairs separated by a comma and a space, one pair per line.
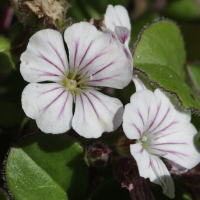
98, 155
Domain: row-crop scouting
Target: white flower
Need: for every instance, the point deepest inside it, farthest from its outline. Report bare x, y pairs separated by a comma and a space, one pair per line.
96, 59
117, 20
162, 130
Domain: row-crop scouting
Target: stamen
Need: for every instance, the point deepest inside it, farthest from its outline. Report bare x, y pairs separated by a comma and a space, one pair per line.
75, 72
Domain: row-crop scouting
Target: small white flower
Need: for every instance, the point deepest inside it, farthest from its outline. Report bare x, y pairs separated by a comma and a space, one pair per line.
162, 130
96, 59
117, 20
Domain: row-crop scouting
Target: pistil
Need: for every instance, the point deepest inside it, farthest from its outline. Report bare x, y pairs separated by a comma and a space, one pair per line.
70, 84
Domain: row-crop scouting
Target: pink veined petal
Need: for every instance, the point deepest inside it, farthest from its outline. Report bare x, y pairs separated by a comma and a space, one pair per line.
45, 58
139, 113
123, 34
143, 159
96, 113
152, 167
50, 105
168, 118
139, 85
102, 59
179, 146
163, 176
117, 16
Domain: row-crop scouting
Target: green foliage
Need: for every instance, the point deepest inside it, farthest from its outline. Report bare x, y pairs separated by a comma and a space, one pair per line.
3, 195
161, 43
6, 59
183, 10
46, 167
160, 55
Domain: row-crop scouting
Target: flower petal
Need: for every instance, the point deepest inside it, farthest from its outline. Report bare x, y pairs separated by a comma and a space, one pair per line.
123, 34
168, 118
102, 59
45, 58
139, 113
143, 159
152, 167
117, 16
163, 176
96, 113
50, 105
139, 85
179, 146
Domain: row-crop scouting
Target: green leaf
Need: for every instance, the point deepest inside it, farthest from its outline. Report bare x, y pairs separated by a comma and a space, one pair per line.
183, 10
3, 195
46, 167
160, 56
161, 43
193, 73
10, 115
167, 79
6, 59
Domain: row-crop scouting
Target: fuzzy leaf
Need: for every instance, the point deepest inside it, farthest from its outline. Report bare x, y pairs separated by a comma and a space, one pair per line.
46, 167
161, 43
160, 56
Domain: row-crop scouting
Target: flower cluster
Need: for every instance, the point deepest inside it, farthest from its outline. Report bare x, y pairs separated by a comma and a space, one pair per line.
61, 75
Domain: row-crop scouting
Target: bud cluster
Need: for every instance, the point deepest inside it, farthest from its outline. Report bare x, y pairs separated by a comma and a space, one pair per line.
98, 155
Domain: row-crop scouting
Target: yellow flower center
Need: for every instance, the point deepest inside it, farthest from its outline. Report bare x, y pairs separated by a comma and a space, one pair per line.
70, 84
